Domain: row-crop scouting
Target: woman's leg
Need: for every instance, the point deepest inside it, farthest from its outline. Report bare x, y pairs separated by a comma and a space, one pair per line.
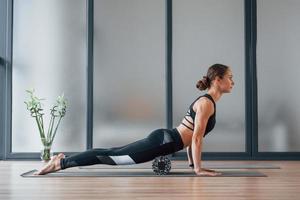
159, 142
137, 152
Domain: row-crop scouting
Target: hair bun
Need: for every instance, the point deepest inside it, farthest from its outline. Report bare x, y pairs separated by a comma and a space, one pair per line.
203, 83
206, 78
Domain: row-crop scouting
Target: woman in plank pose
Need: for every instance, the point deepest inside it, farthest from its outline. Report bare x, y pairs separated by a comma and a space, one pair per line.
196, 124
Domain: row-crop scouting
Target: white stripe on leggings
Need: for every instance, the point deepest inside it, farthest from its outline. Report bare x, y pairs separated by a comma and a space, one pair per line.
122, 160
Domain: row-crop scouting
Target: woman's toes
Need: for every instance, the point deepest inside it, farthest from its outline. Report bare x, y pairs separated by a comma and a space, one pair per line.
36, 173
61, 155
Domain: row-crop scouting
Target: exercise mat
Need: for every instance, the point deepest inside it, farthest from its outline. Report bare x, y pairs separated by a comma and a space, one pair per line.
139, 173
185, 166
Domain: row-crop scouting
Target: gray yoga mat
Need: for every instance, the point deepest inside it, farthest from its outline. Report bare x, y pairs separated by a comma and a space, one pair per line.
147, 173
185, 166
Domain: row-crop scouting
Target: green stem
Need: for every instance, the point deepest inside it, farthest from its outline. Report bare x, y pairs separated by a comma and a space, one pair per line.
50, 128
41, 124
55, 129
40, 130
42, 121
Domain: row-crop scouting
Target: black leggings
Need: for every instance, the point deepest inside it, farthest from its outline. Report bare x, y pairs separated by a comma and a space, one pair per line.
158, 143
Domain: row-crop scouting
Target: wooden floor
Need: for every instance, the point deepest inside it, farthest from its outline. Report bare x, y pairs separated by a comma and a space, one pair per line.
280, 184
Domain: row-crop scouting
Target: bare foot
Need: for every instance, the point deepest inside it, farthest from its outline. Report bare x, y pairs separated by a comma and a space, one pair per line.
52, 166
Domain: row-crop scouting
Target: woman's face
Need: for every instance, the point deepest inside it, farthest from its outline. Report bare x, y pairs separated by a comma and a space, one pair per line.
226, 83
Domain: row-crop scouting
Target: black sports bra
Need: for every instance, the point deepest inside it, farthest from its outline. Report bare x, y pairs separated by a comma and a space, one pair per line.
211, 121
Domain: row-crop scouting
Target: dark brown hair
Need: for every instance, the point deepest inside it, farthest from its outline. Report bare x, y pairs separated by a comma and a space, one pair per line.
212, 72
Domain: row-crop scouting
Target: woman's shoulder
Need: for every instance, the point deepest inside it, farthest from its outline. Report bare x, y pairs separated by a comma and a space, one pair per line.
204, 102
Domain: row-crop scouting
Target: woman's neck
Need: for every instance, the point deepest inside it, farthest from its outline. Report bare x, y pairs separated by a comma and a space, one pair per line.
215, 94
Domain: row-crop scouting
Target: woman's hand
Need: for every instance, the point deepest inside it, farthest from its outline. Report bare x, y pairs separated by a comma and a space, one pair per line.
202, 172
191, 165
209, 170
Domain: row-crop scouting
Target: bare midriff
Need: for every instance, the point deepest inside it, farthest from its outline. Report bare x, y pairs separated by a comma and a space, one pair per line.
186, 135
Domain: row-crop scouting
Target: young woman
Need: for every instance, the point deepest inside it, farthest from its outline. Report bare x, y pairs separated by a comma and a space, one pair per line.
196, 124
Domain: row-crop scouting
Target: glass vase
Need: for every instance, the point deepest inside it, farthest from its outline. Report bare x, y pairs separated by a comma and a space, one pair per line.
46, 153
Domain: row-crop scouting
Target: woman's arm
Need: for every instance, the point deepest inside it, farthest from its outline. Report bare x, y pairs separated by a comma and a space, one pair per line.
190, 159
203, 112
190, 156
